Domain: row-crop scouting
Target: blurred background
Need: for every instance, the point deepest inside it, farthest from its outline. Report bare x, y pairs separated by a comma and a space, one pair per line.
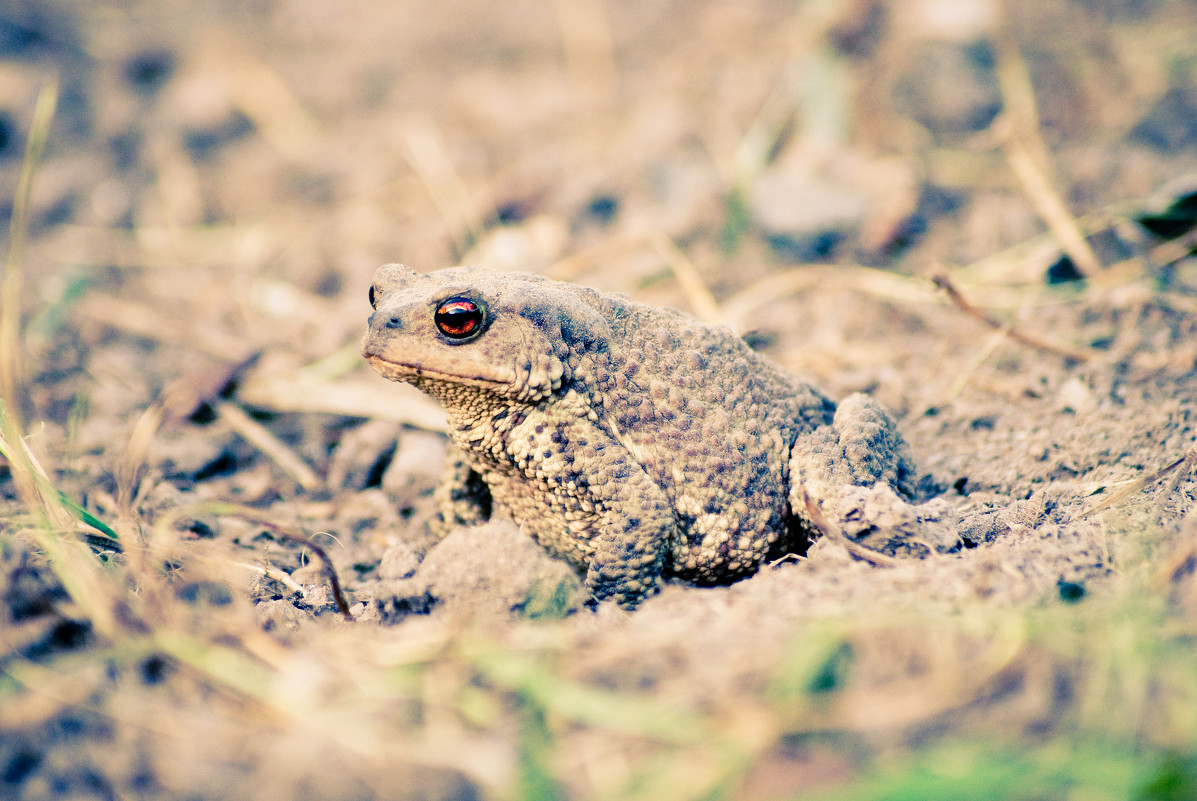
220, 179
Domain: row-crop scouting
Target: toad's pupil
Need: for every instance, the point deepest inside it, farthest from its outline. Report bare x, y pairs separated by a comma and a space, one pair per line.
458, 318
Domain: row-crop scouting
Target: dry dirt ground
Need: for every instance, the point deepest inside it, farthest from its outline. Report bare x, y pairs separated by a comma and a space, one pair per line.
191, 257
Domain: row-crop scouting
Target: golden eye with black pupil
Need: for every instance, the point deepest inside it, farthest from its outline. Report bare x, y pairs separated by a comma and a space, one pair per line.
458, 318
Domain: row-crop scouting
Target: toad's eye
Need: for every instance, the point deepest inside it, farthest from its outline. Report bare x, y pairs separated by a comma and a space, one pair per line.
458, 318
373, 299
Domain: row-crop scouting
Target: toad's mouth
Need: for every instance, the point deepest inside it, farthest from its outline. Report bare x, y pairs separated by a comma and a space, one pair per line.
493, 375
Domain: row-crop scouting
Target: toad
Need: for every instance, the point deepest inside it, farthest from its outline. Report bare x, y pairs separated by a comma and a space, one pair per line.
633, 441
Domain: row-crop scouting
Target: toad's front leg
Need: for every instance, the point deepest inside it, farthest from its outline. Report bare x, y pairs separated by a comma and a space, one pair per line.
582, 496
462, 496
634, 532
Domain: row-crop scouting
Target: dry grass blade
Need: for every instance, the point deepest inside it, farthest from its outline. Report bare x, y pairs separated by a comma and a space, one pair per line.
740, 308
1140, 484
11, 368
703, 303
1020, 265
429, 157
1019, 135
962, 303
1167, 253
69, 557
274, 574
1186, 469
1049, 204
836, 535
260, 437
180, 399
986, 351
130, 468
375, 399
143, 320
596, 256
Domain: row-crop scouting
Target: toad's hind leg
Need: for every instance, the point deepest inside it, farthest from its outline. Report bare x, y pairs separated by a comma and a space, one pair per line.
860, 448
858, 476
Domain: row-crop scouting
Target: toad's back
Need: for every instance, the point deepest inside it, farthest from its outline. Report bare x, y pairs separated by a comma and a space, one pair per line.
712, 423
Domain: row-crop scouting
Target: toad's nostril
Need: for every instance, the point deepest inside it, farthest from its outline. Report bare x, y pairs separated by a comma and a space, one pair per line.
393, 322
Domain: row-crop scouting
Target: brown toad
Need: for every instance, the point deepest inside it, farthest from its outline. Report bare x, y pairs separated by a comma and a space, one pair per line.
633, 441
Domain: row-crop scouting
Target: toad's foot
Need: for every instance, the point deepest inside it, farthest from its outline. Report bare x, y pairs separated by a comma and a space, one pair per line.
878, 519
